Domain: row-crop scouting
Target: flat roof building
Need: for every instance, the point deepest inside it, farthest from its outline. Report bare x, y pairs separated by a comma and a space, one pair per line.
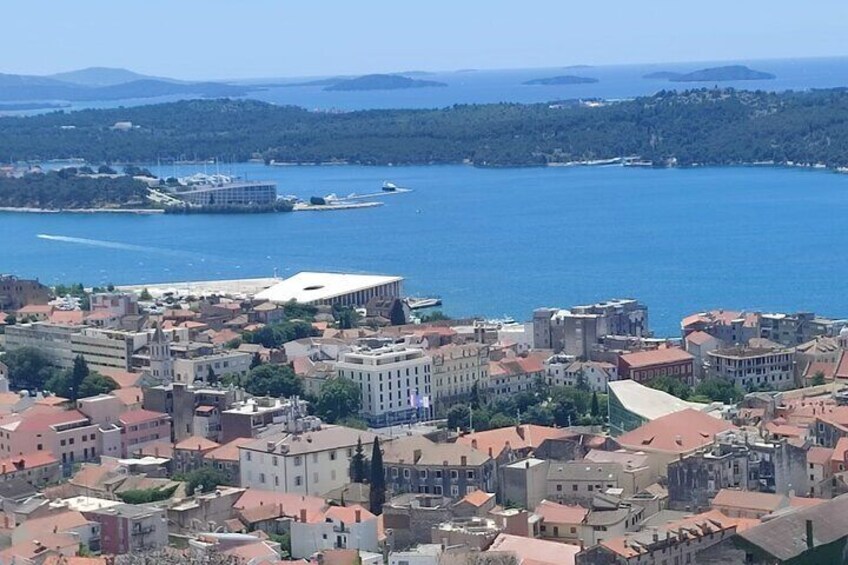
340, 289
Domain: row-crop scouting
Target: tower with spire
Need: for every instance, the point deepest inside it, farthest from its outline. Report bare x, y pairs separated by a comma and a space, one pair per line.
161, 363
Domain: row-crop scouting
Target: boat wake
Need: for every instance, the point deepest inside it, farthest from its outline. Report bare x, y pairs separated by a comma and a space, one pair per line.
113, 245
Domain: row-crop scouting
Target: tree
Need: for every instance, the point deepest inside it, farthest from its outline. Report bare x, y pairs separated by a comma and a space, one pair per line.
347, 318
145, 295
501, 421
378, 480
674, 387
564, 412
273, 380
719, 390
201, 480
338, 399
459, 416
582, 384
474, 396
95, 384
29, 368
78, 374
106, 170
256, 361
357, 464
818, 379
539, 415
595, 410
396, 315
434, 316
211, 377
10, 319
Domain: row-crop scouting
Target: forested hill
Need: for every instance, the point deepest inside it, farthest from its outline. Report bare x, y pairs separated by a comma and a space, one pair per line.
713, 127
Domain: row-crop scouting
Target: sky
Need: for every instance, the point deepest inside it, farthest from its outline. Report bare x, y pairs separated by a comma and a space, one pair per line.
217, 39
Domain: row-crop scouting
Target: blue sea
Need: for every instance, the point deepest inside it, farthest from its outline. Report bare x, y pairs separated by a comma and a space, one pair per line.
505, 85
493, 242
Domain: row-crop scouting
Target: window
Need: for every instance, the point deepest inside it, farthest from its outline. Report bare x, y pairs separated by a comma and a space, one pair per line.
437, 490
438, 473
454, 474
574, 488
275, 461
406, 473
262, 478
422, 474
394, 472
469, 474
454, 490
559, 488
332, 455
276, 481
248, 456
298, 481
298, 461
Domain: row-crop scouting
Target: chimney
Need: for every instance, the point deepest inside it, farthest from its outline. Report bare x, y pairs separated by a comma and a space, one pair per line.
303, 515
527, 464
490, 452
358, 515
810, 542
463, 460
474, 443
520, 431
416, 455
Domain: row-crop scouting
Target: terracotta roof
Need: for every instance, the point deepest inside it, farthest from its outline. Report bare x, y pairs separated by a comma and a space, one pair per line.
477, 498
9, 398
536, 551
35, 309
835, 415
839, 451
27, 461
561, 513
229, 451
699, 338
656, 357
253, 553
418, 450
842, 367
63, 560
52, 400
291, 502
129, 396
786, 430
197, 443
139, 416
67, 317
826, 368
223, 336
518, 437
163, 448
34, 421
679, 432
347, 514
750, 500
29, 549
90, 475
124, 379
819, 455
53, 523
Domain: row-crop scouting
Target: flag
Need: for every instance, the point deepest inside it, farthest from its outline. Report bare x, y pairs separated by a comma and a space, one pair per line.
425, 402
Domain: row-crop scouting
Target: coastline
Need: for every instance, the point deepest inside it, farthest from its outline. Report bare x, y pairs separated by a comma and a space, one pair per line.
25, 210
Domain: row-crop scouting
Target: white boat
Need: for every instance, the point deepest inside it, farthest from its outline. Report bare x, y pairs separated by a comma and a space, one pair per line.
416, 303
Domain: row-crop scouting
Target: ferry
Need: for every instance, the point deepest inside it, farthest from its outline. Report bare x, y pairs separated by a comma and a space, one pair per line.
416, 303
390, 186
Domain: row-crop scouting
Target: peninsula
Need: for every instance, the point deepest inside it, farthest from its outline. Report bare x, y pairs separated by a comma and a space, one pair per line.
382, 82
559, 80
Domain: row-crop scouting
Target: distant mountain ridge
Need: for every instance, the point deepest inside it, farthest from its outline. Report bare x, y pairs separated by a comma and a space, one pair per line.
104, 76
102, 83
564, 79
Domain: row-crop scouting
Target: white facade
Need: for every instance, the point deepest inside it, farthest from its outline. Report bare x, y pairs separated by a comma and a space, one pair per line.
561, 370
306, 463
332, 532
752, 368
387, 377
197, 369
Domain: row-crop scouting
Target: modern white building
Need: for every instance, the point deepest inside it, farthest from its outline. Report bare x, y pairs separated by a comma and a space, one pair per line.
562, 370
311, 463
338, 289
391, 378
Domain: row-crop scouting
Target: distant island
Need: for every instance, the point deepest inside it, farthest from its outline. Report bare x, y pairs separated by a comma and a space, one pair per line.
713, 74
382, 82
564, 79
98, 83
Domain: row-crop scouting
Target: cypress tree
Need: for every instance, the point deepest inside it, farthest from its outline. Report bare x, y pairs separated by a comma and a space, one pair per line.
595, 409
78, 374
357, 464
378, 480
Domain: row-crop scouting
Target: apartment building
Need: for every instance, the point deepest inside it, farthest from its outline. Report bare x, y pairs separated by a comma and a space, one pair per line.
644, 366
563, 370
760, 363
54, 340
391, 379
141, 427
194, 411
416, 464
512, 375
456, 370
197, 369
16, 293
305, 463
66, 434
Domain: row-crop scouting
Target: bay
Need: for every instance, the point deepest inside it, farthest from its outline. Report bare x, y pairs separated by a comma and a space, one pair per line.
492, 242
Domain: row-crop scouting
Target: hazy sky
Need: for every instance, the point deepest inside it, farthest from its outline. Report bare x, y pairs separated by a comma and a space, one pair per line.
265, 38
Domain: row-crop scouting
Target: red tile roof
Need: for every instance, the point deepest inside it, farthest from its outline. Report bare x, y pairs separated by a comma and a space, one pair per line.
347, 514
819, 455
42, 420
656, 357
679, 432
131, 417
477, 498
197, 443
561, 513
27, 461
536, 551
518, 437
229, 451
699, 338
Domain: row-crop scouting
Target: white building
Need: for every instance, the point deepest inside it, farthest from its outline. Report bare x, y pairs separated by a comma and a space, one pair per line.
562, 370
338, 527
761, 363
333, 288
306, 463
388, 377
224, 363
